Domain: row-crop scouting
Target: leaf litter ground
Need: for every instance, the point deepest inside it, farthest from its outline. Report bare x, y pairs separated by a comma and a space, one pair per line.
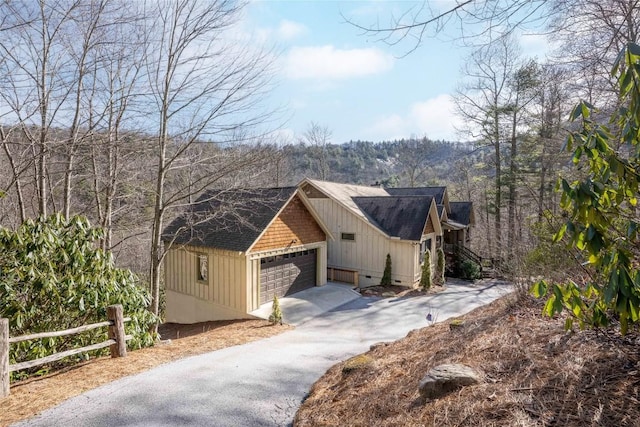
535, 374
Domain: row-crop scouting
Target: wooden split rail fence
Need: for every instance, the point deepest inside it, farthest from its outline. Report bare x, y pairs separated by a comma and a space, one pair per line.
116, 343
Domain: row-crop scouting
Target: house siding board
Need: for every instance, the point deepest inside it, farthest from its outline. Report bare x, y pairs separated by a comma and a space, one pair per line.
294, 223
226, 275
368, 253
253, 285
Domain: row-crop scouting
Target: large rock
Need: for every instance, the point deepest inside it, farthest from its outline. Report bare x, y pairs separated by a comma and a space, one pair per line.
446, 378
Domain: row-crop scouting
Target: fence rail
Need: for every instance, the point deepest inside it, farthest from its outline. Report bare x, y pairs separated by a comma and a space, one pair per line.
116, 343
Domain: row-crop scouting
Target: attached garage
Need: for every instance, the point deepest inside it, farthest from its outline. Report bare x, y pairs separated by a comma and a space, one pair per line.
287, 274
237, 249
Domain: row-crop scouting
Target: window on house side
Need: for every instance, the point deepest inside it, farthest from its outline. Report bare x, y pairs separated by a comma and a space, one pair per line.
349, 236
202, 268
424, 247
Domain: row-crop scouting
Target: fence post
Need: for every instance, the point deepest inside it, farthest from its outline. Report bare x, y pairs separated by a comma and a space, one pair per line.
4, 358
116, 331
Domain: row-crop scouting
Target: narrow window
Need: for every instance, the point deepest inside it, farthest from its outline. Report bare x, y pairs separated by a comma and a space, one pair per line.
202, 268
424, 247
349, 236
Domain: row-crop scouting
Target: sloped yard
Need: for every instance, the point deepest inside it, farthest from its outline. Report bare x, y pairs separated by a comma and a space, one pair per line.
535, 374
30, 397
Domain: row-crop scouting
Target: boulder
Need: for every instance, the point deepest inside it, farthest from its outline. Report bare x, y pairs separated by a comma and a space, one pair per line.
446, 378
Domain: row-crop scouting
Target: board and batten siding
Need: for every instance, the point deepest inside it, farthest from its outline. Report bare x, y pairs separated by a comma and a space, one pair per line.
368, 253
223, 296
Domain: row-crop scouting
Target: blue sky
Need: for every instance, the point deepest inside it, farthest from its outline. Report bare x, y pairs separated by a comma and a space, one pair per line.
328, 72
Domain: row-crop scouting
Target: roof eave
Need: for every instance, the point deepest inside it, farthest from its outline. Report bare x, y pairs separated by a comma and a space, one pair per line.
364, 217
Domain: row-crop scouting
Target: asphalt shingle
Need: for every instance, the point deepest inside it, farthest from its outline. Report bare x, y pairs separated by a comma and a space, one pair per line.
436, 192
461, 212
398, 216
228, 219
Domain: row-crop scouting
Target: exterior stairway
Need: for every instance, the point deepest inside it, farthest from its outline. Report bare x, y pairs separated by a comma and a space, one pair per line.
487, 265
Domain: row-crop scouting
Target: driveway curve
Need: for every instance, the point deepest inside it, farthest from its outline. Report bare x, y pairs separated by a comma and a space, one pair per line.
261, 383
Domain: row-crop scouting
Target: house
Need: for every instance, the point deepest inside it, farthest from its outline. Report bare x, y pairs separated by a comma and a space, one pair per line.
456, 218
233, 250
458, 226
370, 222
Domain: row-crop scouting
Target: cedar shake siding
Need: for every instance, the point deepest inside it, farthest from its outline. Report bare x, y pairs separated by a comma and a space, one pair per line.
293, 227
429, 227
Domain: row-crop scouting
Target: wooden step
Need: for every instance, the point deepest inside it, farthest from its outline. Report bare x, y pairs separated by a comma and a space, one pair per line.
488, 273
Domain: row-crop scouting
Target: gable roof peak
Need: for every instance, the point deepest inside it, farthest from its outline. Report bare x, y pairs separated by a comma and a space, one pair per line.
230, 219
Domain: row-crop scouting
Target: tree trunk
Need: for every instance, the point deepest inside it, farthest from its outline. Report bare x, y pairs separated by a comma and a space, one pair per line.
512, 187
16, 177
498, 186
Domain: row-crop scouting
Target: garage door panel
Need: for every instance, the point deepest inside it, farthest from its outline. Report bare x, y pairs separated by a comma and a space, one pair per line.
287, 274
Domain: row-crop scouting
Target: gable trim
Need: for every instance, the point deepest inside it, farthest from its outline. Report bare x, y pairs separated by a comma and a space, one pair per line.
363, 218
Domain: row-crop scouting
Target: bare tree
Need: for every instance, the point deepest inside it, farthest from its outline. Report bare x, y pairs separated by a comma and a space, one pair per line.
548, 117
318, 137
591, 35
483, 102
50, 54
413, 158
476, 22
32, 87
203, 88
113, 149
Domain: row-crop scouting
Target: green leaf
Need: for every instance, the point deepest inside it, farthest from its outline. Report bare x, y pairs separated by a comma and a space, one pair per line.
576, 112
568, 324
585, 111
558, 236
633, 48
611, 290
539, 289
624, 323
634, 310
548, 307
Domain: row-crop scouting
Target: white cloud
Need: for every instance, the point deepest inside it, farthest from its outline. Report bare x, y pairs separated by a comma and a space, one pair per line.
288, 30
434, 118
535, 45
328, 63
285, 31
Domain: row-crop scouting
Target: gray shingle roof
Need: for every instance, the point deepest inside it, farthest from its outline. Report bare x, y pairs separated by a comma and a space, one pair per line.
228, 219
461, 212
398, 216
437, 192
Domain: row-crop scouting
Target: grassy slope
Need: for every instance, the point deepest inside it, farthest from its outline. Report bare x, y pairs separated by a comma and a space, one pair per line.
535, 375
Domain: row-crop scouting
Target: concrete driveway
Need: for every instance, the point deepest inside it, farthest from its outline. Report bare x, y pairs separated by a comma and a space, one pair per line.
261, 383
310, 303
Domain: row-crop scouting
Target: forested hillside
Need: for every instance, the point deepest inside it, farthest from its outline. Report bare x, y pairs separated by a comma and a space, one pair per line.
410, 162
